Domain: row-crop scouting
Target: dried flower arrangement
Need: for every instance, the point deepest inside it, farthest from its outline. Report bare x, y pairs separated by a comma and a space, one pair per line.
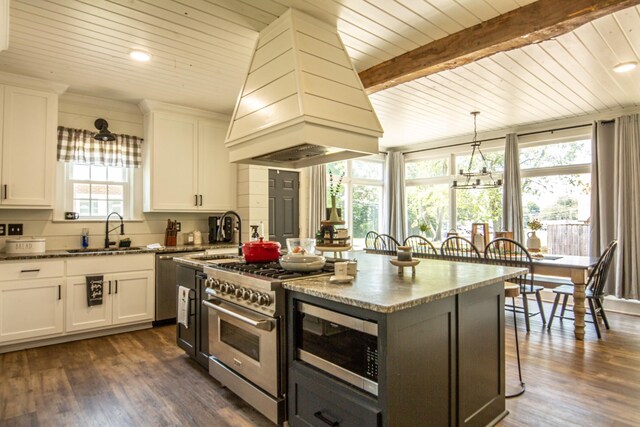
534, 224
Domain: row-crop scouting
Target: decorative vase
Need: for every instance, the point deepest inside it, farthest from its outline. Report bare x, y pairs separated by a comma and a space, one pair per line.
333, 217
533, 242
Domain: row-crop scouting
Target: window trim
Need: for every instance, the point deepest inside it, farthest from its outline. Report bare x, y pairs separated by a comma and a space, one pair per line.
64, 201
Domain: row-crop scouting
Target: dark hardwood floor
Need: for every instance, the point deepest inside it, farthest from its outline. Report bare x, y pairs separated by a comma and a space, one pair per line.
142, 379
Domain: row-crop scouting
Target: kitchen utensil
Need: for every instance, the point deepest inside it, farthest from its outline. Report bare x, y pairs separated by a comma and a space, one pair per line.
296, 245
261, 251
341, 279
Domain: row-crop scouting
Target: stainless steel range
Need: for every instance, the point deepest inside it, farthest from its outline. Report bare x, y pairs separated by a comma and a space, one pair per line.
246, 305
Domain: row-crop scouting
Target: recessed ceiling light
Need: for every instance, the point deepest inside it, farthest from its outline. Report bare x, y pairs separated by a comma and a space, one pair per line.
140, 55
625, 66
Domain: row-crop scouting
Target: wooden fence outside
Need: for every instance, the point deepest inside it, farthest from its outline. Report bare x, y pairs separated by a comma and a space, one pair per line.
569, 239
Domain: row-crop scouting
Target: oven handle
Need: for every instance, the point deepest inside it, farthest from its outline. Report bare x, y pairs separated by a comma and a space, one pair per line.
265, 325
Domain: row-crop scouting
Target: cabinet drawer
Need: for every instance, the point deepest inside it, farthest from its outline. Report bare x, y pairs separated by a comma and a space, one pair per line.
103, 264
318, 401
18, 270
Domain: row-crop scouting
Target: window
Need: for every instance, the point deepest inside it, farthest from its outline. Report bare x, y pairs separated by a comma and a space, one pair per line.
360, 200
556, 189
95, 191
428, 197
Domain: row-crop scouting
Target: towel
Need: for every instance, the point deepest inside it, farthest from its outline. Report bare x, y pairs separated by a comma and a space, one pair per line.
183, 306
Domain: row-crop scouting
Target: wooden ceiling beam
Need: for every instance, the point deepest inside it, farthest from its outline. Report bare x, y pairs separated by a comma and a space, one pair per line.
520, 27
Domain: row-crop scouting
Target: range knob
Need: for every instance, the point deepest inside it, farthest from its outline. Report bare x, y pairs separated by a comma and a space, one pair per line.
253, 296
230, 288
240, 292
264, 299
246, 295
209, 282
215, 284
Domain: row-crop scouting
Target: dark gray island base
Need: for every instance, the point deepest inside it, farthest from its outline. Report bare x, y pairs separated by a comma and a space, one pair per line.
437, 359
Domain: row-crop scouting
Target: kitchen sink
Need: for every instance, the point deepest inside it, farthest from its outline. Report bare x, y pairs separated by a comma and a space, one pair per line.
99, 250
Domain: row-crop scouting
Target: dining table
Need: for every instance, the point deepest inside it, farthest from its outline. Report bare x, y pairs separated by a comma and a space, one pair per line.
575, 268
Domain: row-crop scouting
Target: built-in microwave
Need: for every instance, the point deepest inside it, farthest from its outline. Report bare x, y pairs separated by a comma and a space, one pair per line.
339, 344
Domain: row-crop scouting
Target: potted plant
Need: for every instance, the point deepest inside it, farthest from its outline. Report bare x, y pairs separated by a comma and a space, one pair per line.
533, 242
425, 229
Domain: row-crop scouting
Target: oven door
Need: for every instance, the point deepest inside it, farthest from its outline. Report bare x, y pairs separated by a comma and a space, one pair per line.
246, 342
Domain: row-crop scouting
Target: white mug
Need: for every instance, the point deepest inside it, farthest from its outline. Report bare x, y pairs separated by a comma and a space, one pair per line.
341, 268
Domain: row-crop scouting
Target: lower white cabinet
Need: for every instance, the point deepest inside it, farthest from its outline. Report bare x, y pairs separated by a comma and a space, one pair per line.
128, 298
31, 309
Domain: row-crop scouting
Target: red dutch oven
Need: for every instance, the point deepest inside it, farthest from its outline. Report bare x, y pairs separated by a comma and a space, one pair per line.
261, 251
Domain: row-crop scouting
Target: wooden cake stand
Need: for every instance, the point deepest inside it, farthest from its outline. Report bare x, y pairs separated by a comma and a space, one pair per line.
402, 264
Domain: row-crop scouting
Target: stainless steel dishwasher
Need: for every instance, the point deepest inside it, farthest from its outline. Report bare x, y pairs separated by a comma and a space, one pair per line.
166, 291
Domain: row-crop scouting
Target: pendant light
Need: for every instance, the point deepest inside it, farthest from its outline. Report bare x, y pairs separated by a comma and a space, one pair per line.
483, 178
104, 134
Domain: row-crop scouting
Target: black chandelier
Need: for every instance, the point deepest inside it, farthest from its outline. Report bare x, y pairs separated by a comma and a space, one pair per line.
476, 180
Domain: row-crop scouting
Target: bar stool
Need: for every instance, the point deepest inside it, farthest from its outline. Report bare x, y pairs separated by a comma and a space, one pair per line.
513, 291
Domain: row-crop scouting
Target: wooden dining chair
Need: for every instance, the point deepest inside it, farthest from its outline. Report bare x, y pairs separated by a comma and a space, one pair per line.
508, 252
594, 292
370, 239
386, 244
420, 246
456, 246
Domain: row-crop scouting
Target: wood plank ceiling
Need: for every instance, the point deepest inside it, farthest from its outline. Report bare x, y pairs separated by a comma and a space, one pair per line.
201, 50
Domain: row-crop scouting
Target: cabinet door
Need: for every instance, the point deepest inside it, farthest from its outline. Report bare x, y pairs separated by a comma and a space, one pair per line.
216, 176
28, 147
133, 296
174, 141
81, 316
30, 309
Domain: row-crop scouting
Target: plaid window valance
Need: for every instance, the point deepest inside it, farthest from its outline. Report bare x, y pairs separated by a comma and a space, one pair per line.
78, 146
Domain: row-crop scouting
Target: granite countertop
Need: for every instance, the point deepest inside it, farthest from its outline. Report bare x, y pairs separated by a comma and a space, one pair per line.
58, 253
378, 287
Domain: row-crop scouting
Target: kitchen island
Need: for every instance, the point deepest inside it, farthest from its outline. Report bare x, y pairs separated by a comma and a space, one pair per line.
392, 350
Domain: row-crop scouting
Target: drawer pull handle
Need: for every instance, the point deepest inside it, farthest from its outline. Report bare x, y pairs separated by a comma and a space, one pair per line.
33, 270
4, 187
116, 286
326, 420
109, 287
201, 200
59, 292
196, 199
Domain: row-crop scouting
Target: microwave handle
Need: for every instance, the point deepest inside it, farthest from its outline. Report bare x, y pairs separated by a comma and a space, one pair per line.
265, 325
345, 320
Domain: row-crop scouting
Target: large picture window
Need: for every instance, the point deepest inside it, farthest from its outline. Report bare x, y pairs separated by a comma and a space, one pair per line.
360, 201
556, 189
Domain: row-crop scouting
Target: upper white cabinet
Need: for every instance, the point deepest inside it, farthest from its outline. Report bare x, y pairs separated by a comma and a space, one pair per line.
28, 119
186, 165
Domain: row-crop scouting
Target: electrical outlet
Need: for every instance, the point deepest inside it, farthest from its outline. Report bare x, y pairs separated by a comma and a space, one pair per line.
15, 229
178, 226
3, 229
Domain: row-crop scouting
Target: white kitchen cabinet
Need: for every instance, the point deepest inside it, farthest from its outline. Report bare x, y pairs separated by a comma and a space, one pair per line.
27, 147
186, 164
31, 300
128, 292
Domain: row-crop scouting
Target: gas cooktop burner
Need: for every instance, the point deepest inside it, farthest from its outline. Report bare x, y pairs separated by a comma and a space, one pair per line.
272, 270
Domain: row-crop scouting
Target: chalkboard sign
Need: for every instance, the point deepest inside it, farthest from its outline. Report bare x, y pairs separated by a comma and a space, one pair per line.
95, 287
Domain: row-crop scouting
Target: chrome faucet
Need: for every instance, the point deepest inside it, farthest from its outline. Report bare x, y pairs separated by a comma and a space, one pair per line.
107, 242
239, 228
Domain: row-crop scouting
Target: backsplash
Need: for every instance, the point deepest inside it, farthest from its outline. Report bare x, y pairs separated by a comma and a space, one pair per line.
67, 234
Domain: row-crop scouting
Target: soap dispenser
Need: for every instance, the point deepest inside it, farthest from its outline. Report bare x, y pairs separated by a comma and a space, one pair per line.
85, 238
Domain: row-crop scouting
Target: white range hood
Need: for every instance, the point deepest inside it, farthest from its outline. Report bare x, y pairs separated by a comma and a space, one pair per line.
302, 102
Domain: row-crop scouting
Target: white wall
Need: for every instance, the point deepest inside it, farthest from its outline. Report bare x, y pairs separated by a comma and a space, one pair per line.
80, 112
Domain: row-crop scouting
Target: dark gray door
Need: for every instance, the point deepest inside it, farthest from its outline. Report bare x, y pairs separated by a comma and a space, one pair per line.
283, 205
